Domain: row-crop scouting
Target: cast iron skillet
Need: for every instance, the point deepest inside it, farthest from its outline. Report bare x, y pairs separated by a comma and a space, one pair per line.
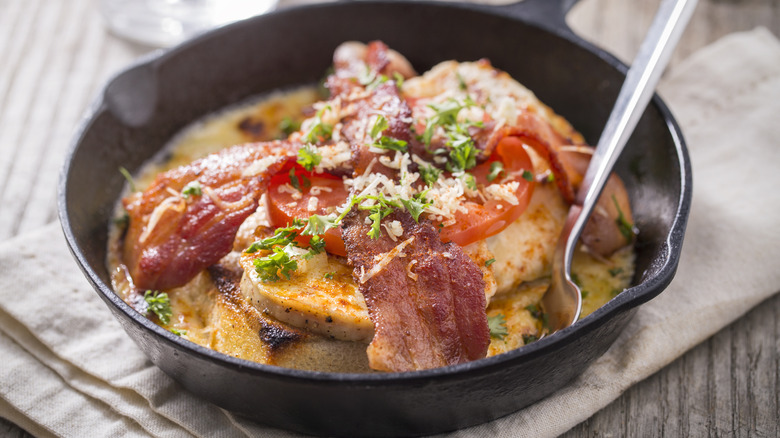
141, 108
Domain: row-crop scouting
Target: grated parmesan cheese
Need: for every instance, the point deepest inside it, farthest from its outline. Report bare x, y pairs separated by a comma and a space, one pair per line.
311, 206
503, 192
175, 203
259, 166
409, 272
383, 260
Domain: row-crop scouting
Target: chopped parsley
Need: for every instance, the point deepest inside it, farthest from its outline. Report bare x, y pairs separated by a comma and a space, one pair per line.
282, 237
370, 79
535, 311
288, 126
399, 79
497, 326
528, 176
381, 209
158, 303
445, 116
429, 174
470, 181
496, 170
416, 205
318, 224
178, 332
626, 228
527, 339
319, 130
281, 262
122, 221
296, 182
329, 275
125, 173
461, 83
615, 271
390, 143
308, 157
383, 141
316, 246
193, 188
489, 262
380, 124
463, 155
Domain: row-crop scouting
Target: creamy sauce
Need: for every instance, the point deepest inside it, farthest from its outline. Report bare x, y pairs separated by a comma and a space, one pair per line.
235, 325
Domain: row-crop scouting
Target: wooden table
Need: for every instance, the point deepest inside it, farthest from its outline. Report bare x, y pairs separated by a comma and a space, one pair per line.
56, 54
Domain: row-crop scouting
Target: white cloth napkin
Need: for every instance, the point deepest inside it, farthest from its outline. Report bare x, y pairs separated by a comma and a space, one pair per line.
68, 369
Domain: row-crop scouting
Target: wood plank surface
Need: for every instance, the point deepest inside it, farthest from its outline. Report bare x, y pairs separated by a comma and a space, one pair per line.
56, 55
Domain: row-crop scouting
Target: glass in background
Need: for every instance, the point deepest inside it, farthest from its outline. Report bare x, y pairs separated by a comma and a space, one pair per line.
164, 23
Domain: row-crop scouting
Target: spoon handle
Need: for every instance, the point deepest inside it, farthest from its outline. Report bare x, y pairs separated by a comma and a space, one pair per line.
638, 88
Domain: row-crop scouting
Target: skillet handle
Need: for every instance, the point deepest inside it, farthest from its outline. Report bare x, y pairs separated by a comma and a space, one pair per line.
549, 14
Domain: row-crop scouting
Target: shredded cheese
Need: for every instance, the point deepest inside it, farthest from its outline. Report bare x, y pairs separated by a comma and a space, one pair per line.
175, 203
259, 166
312, 204
503, 192
409, 272
383, 260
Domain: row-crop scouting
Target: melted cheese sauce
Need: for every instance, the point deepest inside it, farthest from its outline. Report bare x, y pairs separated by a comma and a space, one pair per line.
334, 325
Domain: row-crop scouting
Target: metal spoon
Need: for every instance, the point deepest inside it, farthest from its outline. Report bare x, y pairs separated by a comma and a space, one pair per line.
563, 300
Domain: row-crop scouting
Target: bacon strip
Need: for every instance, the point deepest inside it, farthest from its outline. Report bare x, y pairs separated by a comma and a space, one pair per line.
171, 238
433, 318
352, 60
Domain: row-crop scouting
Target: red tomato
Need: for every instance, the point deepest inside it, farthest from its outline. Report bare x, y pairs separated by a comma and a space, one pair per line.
283, 207
485, 220
481, 221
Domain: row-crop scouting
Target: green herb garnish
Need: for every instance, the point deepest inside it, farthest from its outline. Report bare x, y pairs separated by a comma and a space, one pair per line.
615, 271
528, 176
158, 303
399, 79
429, 174
279, 263
193, 188
496, 170
390, 143
380, 124
527, 339
626, 228
489, 262
497, 326
308, 157
377, 212
535, 311
416, 205
319, 130
470, 181
125, 173
288, 126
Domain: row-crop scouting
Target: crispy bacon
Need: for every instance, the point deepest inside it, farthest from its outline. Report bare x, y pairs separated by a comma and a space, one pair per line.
170, 237
427, 301
354, 62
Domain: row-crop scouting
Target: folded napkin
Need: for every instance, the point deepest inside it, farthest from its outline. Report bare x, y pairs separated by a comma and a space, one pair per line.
68, 369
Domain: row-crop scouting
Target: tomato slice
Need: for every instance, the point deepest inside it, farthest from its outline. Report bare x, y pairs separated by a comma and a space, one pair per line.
489, 218
482, 220
286, 203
